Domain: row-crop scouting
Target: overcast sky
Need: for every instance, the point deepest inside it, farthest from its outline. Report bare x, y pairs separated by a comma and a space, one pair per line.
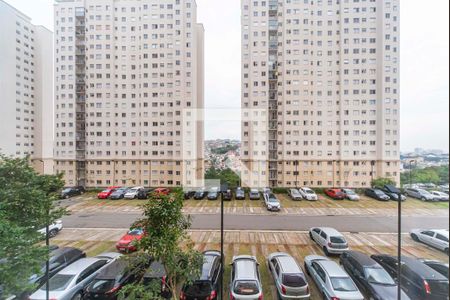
424, 66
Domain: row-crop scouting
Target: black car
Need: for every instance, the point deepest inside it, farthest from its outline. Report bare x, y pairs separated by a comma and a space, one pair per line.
227, 195
240, 194
369, 276
213, 194
59, 259
108, 283
207, 286
143, 194
377, 194
72, 191
200, 195
418, 280
118, 194
438, 266
393, 196
188, 195
156, 275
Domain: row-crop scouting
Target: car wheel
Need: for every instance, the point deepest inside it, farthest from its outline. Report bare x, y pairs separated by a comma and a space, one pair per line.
325, 250
52, 233
66, 197
415, 237
423, 199
77, 296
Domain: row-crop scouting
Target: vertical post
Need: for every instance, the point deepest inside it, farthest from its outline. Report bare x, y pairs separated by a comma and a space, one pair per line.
399, 253
372, 163
47, 263
221, 248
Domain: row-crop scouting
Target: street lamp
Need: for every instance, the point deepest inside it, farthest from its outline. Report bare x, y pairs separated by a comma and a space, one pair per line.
410, 171
394, 190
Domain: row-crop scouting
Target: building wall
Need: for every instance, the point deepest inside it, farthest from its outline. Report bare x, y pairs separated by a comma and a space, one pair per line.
26, 83
137, 69
324, 76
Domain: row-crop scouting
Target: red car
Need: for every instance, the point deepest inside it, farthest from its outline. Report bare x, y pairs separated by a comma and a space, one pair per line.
161, 191
127, 242
335, 194
106, 193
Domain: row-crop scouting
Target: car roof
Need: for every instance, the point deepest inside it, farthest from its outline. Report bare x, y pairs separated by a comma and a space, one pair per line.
245, 268
289, 265
156, 270
61, 251
330, 231
208, 263
254, 190
363, 259
80, 265
423, 270
332, 268
442, 232
115, 268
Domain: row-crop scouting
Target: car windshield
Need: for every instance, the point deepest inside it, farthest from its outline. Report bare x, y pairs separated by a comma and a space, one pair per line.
378, 276
246, 288
309, 191
293, 280
136, 232
378, 192
337, 240
106, 191
67, 190
427, 193
272, 199
59, 282
101, 285
343, 284
349, 192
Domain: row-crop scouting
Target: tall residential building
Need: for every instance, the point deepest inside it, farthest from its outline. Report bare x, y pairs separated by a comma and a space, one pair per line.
129, 80
26, 86
320, 92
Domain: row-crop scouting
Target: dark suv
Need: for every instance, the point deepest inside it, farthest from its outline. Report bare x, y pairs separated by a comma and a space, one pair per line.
72, 191
207, 287
418, 280
371, 278
144, 194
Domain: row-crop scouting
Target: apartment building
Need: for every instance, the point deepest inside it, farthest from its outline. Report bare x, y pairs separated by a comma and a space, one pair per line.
129, 87
320, 92
26, 85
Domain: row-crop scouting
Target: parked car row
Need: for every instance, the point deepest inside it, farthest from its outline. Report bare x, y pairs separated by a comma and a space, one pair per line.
138, 192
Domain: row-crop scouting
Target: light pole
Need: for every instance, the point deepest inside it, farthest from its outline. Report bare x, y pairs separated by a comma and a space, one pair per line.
394, 190
410, 171
372, 163
221, 247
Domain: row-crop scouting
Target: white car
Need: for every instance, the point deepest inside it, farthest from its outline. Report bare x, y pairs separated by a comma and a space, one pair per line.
132, 193
331, 280
329, 239
437, 238
351, 195
440, 195
308, 194
53, 229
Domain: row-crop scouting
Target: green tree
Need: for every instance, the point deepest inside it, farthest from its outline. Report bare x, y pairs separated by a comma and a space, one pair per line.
225, 176
381, 182
27, 203
167, 241
436, 175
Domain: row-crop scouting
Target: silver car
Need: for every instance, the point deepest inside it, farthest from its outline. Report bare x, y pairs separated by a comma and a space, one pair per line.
288, 276
351, 195
437, 238
245, 281
68, 284
329, 239
308, 194
295, 194
440, 195
254, 194
332, 281
421, 194
272, 203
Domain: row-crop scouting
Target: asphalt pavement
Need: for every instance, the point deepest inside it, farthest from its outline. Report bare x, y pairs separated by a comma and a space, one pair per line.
353, 223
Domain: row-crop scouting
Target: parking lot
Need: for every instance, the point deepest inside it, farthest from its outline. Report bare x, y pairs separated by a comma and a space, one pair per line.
259, 244
324, 206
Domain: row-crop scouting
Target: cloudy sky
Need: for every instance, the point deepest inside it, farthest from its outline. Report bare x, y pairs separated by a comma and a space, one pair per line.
424, 67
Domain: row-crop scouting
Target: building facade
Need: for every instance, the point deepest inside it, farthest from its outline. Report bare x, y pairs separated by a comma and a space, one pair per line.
26, 85
320, 92
129, 81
